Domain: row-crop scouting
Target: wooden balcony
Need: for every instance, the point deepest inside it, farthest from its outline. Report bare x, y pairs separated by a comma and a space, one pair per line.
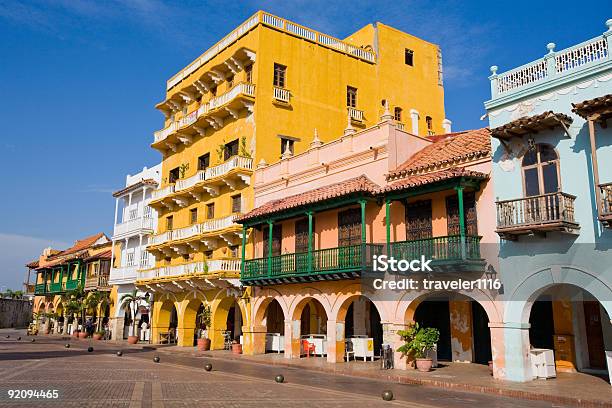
98, 282
605, 191
448, 253
40, 289
536, 215
347, 262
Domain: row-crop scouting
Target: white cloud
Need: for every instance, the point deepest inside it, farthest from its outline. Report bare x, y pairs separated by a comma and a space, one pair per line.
15, 252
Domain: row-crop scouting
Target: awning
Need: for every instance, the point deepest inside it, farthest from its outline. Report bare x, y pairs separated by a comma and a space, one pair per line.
532, 124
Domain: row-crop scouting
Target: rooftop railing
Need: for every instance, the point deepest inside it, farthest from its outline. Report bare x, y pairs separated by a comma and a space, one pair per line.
553, 65
279, 24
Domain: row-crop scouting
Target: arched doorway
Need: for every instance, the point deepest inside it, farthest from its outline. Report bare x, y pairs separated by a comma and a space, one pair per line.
227, 321
274, 321
573, 323
363, 325
312, 327
462, 322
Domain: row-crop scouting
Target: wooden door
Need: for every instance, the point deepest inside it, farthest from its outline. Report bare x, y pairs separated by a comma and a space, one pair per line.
595, 341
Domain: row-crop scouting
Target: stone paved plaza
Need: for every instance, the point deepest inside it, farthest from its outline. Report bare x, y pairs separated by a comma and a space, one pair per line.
103, 379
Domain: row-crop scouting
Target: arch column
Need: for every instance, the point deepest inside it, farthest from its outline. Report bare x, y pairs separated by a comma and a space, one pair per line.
185, 327
292, 338
254, 337
498, 346
391, 337
517, 364
335, 341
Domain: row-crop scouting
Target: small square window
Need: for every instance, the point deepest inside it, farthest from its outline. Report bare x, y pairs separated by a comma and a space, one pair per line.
204, 161
169, 223
409, 57
237, 203
193, 215
280, 75
210, 211
287, 142
351, 97
234, 251
397, 114
230, 149
173, 175
248, 71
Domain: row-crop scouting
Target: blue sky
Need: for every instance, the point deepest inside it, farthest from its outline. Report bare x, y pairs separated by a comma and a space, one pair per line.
80, 78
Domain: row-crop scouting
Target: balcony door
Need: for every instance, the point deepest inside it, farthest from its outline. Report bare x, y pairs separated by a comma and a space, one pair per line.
418, 231
540, 168
276, 240
301, 243
349, 236
469, 214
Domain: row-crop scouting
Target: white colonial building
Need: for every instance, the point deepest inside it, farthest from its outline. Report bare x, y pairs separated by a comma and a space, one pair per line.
135, 222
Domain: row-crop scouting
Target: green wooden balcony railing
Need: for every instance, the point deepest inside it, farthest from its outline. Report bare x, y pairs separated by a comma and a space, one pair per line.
55, 287
345, 259
40, 289
446, 248
71, 284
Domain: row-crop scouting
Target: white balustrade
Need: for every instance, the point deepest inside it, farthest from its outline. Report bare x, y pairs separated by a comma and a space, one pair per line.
162, 192
186, 232
217, 224
355, 114
190, 181
210, 266
159, 239
581, 54
282, 94
277, 23
400, 125
552, 65
233, 163
122, 275
133, 225
164, 133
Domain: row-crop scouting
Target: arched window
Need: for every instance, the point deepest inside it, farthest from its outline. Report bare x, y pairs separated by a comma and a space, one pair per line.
541, 170
429, 122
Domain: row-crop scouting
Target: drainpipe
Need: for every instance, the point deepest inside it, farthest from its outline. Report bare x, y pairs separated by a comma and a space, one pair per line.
595, 166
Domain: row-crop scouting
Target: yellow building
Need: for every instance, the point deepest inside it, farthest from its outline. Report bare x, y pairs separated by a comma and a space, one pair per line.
258, 94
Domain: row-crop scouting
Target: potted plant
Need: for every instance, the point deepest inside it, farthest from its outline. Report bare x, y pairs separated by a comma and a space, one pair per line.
203, 318
418, 342
98, 335
236, 347
132, 300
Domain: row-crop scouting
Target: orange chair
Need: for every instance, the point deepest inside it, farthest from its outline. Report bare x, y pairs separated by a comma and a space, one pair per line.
308, 347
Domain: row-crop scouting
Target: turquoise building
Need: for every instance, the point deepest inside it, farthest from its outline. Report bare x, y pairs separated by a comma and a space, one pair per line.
552, 172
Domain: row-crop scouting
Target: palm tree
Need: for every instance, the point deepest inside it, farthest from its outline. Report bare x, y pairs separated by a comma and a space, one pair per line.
97, 300
132, 300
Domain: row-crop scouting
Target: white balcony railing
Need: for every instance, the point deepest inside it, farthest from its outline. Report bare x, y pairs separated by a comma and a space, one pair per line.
122, 275
552, 65
282, 94
279, 24
162, 192
216, 224
355, 114
134, 225
232, 163
159, 239
160, 135
190, 181
400, 125
209, 267
242, 88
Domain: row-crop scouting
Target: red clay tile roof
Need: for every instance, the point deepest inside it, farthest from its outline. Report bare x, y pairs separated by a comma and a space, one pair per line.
428, 178
80, 245
447, 150
531, 124
101, 255
360, 184
78, 250
32, 265
600, 105
132, 187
